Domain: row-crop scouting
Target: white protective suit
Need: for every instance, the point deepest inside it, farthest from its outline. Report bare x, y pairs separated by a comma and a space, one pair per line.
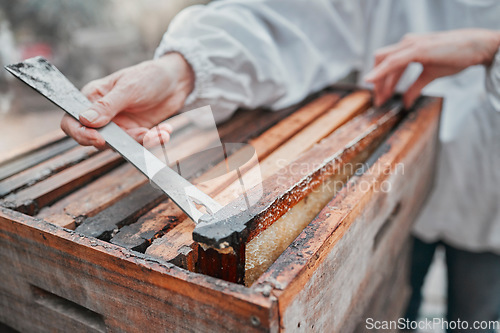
273, 53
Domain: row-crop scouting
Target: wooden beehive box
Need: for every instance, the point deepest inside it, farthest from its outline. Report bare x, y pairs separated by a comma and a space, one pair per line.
86, 244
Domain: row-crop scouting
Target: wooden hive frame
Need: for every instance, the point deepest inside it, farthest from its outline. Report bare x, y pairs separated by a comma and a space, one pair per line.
133, 264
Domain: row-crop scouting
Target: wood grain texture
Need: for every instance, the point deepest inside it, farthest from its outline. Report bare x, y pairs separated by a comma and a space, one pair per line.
152, 226
132, 293
32, 199
94, 197
292, 183
125, 211
26, 160
392, 292
174, 249
186, 141
327, 257
97, 196
30, 147
351, 259
45, 169
281, 191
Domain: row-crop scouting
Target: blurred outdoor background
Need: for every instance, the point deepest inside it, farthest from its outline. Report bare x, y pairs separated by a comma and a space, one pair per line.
86, 40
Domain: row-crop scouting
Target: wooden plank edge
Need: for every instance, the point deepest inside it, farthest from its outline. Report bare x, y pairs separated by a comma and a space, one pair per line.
34, 145
320, 236
261, 307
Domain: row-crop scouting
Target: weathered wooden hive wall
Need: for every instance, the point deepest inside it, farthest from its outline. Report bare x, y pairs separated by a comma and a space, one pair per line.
87, 244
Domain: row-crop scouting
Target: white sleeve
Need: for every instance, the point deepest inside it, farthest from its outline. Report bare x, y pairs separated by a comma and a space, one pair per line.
493, 82
272, 53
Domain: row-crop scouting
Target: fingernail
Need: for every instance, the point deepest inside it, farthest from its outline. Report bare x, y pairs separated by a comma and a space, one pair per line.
164, 137
90, 115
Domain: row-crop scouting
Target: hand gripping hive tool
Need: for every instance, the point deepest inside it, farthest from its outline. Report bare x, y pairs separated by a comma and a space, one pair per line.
45, 78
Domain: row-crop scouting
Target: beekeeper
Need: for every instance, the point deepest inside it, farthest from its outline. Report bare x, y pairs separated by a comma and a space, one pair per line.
250, 53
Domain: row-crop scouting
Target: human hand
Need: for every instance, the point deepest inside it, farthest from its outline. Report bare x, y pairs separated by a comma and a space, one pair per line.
441, 54
135, 98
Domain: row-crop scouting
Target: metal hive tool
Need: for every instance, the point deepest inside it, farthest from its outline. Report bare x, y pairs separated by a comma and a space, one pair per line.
45, 78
